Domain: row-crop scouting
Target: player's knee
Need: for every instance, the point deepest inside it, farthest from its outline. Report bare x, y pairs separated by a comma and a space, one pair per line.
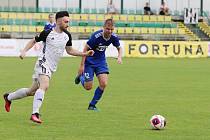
31, 93
103, 85
44, 87
88, 87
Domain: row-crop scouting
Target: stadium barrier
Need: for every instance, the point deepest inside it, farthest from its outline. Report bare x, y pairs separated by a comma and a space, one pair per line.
12, 47
162, 49
154, 49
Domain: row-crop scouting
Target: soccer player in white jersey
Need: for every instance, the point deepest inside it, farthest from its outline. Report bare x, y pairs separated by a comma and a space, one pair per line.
55, 42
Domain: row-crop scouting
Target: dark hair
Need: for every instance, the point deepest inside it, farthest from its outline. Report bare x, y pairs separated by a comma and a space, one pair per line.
109, 20
61, 14
51, 14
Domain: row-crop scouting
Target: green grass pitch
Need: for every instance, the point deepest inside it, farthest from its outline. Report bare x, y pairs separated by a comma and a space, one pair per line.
178, 89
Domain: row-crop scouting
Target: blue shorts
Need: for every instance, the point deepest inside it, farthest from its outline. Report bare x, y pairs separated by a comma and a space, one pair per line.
97, 69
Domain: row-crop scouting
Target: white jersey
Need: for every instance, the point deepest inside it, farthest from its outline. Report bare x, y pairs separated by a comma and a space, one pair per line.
54, 46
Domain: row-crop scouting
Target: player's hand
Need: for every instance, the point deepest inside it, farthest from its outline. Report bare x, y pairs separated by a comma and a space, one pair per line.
90, 53
119, 60
81, 70
22, 54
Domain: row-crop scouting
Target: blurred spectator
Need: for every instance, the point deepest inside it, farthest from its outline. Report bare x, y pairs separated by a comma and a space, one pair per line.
111, 8
164, 10
147, 9
51, 23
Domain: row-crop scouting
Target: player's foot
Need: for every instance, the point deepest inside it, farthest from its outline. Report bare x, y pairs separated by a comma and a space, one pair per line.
77, 80
7, 102
35, 118
92, 107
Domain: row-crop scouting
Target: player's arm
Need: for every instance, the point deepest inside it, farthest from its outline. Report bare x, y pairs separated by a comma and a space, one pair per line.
45, 26
28, 46
75, 52
81, 68
116, 43
119, 57
41, 37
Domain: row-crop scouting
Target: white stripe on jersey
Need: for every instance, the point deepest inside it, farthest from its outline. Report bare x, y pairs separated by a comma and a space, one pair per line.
53, 49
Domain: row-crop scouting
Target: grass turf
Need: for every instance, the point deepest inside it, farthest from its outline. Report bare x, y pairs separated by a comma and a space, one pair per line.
178, 89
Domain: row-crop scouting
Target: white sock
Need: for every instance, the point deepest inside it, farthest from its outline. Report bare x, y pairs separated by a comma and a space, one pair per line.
18, 94
38, 99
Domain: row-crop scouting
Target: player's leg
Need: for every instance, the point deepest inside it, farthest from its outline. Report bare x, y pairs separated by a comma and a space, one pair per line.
42, 74
33, 88
88, 76
86, 79
39, 97
102, 72
80, 79
103, 79
19, 94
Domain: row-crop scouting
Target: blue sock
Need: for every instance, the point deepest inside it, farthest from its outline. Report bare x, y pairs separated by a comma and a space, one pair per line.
97, 96
82, 79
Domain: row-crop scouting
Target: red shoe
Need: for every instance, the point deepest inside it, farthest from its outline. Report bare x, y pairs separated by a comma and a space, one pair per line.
7, 102
35, 118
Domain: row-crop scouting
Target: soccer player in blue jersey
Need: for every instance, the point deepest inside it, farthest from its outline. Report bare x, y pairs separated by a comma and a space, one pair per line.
50, 25
97, 64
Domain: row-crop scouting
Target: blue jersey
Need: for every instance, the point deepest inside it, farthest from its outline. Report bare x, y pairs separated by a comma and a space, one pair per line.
99, 44
49, 26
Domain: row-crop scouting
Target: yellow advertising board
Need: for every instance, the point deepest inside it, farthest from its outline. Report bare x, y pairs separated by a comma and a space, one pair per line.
160, 49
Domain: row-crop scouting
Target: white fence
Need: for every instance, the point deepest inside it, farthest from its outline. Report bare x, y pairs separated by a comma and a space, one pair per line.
12, 47
155, 49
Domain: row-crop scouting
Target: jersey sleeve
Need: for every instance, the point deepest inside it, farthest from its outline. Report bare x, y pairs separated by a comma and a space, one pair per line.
45, 26
69, 43
116, 42
91, 42
42, 36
